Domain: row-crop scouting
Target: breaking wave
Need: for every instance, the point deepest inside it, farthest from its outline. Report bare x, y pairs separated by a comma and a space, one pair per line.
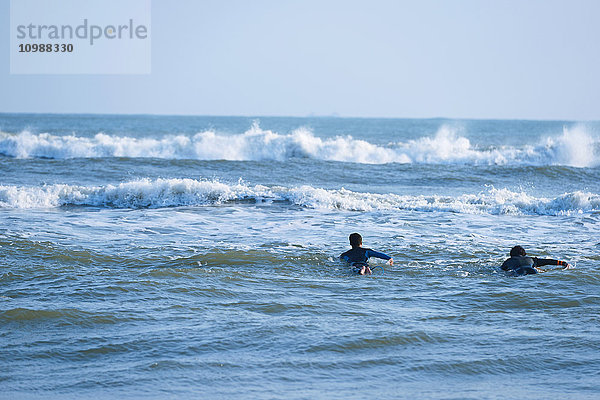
161, 193
575, 147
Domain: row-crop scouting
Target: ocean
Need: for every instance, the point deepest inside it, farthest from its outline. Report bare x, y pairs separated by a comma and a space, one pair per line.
174, 257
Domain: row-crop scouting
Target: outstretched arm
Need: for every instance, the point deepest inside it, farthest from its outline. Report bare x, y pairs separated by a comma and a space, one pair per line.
376, 254
540, 262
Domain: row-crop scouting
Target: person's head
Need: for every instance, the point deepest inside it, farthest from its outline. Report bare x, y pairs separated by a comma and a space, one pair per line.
517, 251
355, 240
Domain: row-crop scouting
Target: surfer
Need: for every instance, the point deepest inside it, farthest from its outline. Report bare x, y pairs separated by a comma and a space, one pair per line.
520, 264
358, 256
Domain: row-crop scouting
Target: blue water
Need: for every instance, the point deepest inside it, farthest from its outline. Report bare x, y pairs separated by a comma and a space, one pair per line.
168, 256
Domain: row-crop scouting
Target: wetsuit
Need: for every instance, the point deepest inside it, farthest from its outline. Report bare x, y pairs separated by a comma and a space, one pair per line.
523, 265
359, 256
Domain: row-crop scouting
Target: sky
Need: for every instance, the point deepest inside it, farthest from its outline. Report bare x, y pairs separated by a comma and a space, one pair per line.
506, 59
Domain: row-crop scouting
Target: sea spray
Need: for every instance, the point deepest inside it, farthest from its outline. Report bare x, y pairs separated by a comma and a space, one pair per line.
575, 148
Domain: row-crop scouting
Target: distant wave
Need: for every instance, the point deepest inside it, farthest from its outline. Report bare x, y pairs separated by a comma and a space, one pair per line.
160, 193
575, 147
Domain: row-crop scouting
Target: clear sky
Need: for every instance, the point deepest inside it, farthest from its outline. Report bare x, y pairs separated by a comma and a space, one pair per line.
534, 59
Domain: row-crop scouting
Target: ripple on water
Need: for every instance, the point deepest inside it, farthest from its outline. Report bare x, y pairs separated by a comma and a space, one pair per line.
369, 343
63, 317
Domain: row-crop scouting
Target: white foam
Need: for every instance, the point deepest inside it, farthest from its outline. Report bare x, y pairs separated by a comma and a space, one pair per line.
189, 192
574, 148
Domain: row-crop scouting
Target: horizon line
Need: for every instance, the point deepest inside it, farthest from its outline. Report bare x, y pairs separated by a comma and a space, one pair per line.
316, 116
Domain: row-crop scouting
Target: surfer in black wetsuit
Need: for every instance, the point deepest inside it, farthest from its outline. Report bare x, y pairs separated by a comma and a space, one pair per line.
520, 264
358, 256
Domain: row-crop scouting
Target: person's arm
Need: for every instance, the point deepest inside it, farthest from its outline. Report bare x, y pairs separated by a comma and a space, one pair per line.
377, 254
540, 262
344, 257
506, 265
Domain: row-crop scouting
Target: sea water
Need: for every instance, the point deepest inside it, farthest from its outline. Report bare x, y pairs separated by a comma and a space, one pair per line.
176, 257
